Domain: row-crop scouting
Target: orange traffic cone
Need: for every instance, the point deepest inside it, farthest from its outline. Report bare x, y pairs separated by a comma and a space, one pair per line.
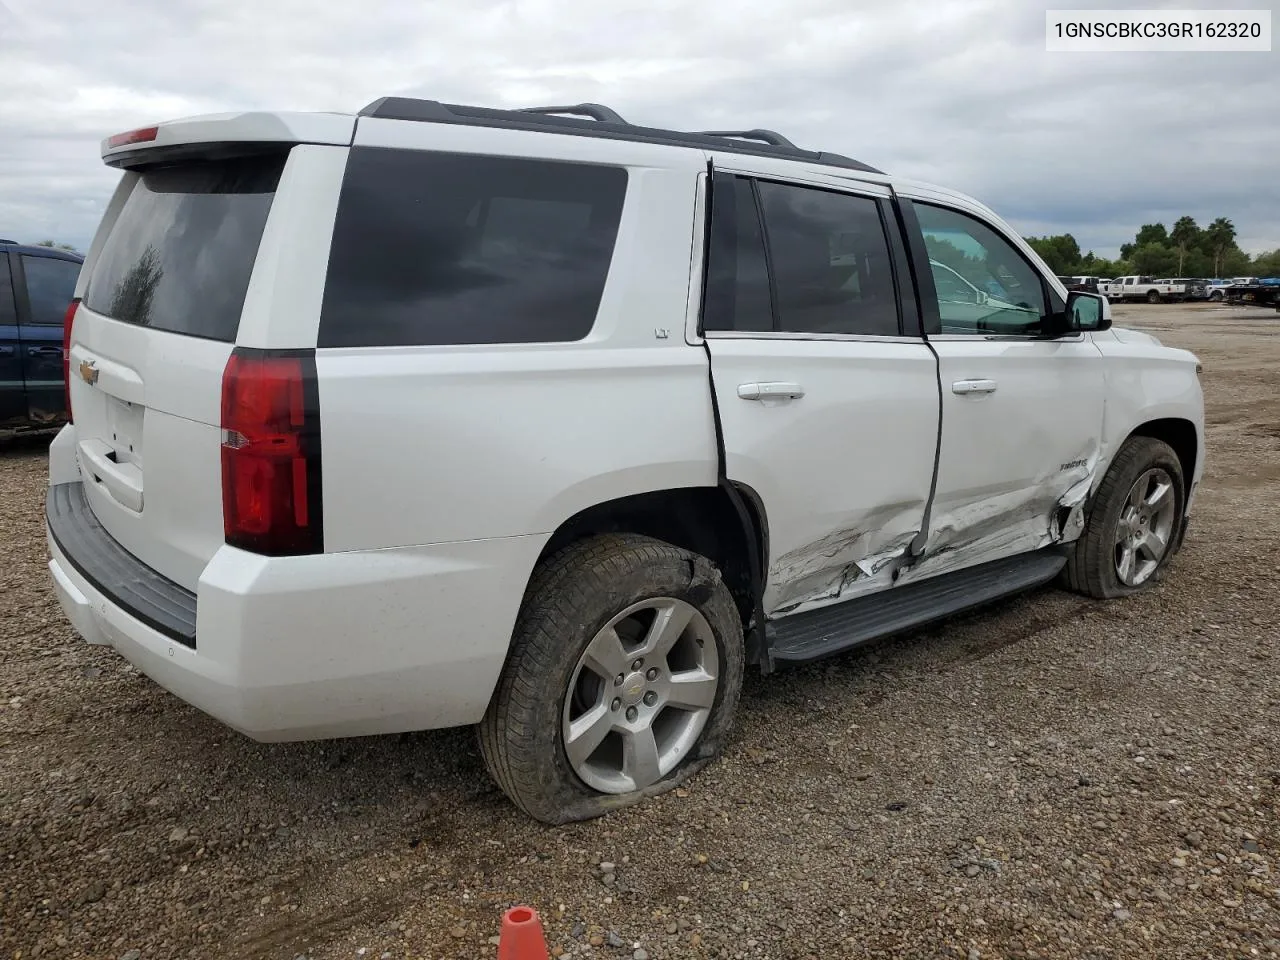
522, 937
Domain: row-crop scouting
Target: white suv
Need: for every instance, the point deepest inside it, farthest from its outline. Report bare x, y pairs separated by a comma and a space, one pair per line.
439, 415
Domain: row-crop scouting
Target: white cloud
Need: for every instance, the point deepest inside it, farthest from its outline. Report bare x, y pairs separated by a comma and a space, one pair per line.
961, 93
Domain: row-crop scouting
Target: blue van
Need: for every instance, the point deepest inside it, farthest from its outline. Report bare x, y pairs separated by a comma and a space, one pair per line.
36, 287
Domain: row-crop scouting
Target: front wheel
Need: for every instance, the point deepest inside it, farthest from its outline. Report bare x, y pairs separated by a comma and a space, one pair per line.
1133, 523
622, 681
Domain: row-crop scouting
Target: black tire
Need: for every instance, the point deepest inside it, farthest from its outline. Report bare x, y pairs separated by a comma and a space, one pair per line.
1153, 296
571, 596
1091, 565
1216, 295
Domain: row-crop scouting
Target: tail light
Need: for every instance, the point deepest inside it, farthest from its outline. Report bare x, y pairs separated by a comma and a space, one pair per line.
271, 452
68, 319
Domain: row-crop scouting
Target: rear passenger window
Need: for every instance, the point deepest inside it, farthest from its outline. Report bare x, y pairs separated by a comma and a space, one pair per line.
737, 295
831, 268
8, 312
51, 283
827, 268
444, 248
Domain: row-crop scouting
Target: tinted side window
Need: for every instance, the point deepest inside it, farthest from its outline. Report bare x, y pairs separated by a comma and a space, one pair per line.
831, 267
51, 283
737, 275
8, 313
442, 248
983, 284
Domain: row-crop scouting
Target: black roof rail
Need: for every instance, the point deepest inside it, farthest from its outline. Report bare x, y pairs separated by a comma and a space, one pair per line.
14, 242
759, 143
766, 136
596, 111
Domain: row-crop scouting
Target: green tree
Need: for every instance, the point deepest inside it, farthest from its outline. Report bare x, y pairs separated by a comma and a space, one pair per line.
1061, 252
1155, 259
1235, 263
1150, 233
1267, 264
1185, 236
57, 246
1220, 238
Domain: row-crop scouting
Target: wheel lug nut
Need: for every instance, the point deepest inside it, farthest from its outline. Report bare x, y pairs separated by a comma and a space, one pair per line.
637, 665
650, 699
618, 680
653, 673
632, 713
617, 702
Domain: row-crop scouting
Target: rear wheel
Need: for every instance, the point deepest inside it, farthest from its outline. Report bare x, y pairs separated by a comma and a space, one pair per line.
1134, 522
1153, 296
622, 680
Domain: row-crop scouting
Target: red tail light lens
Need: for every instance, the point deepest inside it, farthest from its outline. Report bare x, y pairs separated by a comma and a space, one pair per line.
68, 319
271, 452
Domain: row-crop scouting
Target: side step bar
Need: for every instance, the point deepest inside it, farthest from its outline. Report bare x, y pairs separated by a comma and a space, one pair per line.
820, 633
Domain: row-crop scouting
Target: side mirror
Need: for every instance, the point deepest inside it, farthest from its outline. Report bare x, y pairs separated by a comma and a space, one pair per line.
1087, 312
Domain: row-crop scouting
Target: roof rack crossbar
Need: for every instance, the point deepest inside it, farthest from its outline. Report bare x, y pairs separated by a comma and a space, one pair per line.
596, 111
765, 136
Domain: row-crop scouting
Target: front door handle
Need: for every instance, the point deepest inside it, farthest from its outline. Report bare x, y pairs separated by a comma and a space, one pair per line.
44, 351
776, 390
963, 387
6, 351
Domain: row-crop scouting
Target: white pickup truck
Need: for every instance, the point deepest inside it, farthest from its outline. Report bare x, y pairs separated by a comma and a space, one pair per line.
1145, 288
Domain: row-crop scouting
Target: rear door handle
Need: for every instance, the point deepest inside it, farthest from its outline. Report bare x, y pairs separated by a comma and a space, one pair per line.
774, 390
6, 351
963, 387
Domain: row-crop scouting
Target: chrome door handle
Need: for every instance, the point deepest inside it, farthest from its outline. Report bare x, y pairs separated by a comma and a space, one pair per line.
770, 391
963, 387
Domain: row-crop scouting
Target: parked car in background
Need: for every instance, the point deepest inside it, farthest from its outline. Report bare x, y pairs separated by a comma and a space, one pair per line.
1196, 288
1146, 288
1258, 293
36, 287
1089, 284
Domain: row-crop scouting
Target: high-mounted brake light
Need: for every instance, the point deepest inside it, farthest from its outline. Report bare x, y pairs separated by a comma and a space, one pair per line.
271, 452
141, 135
68, 319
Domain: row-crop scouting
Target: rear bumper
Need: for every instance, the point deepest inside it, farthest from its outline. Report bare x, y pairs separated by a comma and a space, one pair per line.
329, 645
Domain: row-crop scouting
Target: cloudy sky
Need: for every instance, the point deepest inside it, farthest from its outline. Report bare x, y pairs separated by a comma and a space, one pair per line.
959, 93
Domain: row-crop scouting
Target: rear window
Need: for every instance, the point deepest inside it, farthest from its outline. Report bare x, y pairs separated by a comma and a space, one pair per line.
51, 283
180, 254
445, 248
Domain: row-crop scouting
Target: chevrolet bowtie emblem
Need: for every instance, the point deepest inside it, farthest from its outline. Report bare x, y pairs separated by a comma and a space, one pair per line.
88, 372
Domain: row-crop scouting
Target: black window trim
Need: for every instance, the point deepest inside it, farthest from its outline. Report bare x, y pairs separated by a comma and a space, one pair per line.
18, 277
929, 294
899, 263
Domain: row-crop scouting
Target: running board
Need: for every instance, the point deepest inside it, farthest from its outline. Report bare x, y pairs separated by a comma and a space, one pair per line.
820, 633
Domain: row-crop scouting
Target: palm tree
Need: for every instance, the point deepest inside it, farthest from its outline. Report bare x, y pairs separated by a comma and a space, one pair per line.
1185, 234
1221, 237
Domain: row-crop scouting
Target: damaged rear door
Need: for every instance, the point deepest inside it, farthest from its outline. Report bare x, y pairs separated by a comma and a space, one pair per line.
1021, 411
827, 394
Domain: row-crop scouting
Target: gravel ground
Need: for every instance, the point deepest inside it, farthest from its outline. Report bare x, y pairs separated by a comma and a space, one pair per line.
1052, 777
